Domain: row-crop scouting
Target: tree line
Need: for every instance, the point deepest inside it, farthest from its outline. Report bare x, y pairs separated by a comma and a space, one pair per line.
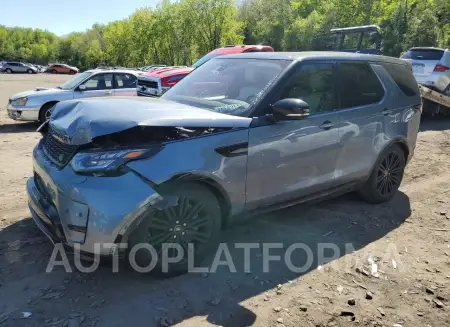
179, 32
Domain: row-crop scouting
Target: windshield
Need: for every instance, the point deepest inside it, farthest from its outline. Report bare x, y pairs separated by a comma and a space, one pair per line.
70, 84
204, 59
227, 85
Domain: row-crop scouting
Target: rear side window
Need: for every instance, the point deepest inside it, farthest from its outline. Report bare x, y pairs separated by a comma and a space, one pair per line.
423, 54
359, 86
403, 77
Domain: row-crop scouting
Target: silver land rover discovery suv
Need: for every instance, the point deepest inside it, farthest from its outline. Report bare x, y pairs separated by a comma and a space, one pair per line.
242, 134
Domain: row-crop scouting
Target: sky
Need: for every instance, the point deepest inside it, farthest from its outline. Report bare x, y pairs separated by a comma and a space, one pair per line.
64, 16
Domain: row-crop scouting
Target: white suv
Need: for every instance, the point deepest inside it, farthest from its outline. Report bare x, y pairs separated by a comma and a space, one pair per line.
431, 67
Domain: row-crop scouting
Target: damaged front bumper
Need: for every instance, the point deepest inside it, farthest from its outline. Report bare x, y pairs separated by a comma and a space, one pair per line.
23, 113
93, 212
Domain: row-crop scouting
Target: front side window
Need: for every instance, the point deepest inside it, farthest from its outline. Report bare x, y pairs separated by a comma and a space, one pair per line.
359, 86
99, 82
314, 84
227, 85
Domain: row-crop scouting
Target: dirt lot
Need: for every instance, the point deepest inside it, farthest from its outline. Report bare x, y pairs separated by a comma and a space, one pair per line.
408, 239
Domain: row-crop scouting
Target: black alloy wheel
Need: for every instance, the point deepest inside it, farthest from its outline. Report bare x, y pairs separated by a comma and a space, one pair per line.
193, 222
389, 174
185, 223
386, 176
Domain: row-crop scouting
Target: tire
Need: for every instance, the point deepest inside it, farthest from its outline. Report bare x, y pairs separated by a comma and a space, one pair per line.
29, 71
8, 71
386, 176
53, 71
44, 112
72, 72
171, 226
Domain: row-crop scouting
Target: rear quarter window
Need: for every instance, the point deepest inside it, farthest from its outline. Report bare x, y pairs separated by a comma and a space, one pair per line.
423, 54
403, 77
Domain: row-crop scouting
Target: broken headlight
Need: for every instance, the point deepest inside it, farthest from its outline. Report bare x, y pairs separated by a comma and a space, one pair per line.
104, 162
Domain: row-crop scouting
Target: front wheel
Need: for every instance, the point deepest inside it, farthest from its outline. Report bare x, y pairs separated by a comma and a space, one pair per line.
8, 71
29, 71
72, 72
45, 112
192, 222
386, 176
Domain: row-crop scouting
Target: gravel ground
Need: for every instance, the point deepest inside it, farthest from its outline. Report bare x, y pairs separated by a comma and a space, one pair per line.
407, 239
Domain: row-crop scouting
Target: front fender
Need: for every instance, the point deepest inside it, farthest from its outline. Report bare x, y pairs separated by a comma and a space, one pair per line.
198, 158
41, 99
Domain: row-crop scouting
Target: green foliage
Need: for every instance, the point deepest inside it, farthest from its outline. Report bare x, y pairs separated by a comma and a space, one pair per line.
179, 32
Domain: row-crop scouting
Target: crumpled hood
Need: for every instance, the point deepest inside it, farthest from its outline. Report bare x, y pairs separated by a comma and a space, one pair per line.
83, 120
38, 90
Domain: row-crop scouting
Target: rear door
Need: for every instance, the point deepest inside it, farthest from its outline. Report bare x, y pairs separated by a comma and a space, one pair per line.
21, 68
362, 110
124, 84
423, 61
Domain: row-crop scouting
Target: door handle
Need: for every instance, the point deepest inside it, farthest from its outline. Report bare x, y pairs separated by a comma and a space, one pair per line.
326, 125
108, 92
386, 111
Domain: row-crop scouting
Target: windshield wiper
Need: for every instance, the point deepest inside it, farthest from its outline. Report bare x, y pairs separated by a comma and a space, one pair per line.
59, 87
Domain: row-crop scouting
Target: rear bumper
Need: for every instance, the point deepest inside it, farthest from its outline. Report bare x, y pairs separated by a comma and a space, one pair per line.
436, 81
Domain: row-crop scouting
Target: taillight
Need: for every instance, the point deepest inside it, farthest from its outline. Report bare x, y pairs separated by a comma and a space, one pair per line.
419, 107
166, 83
440, 68
171, 81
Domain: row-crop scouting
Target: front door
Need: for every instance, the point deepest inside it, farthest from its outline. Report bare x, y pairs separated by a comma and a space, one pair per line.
291, 159
99, 85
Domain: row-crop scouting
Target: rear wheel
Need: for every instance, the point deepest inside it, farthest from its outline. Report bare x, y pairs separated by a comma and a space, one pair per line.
53, 71
8, 71
193, 222
386, 176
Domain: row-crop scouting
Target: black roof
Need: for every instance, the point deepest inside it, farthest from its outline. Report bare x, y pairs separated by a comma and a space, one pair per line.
314, 55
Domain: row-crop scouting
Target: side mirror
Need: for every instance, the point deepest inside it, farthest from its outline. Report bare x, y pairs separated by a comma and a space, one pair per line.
290, 109
82, 87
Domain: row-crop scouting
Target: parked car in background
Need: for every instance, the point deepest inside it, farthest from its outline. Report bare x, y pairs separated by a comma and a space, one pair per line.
151, 68
431, 67
62, 69
156, 82
18, 67
35, 105
242, 134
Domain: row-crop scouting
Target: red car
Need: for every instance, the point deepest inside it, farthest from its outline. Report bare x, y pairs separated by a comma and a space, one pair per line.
157, 82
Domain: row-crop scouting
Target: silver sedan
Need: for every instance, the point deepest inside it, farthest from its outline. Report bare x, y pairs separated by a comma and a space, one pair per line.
35, 105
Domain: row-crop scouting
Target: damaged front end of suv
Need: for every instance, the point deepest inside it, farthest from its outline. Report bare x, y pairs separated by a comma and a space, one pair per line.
98, 171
